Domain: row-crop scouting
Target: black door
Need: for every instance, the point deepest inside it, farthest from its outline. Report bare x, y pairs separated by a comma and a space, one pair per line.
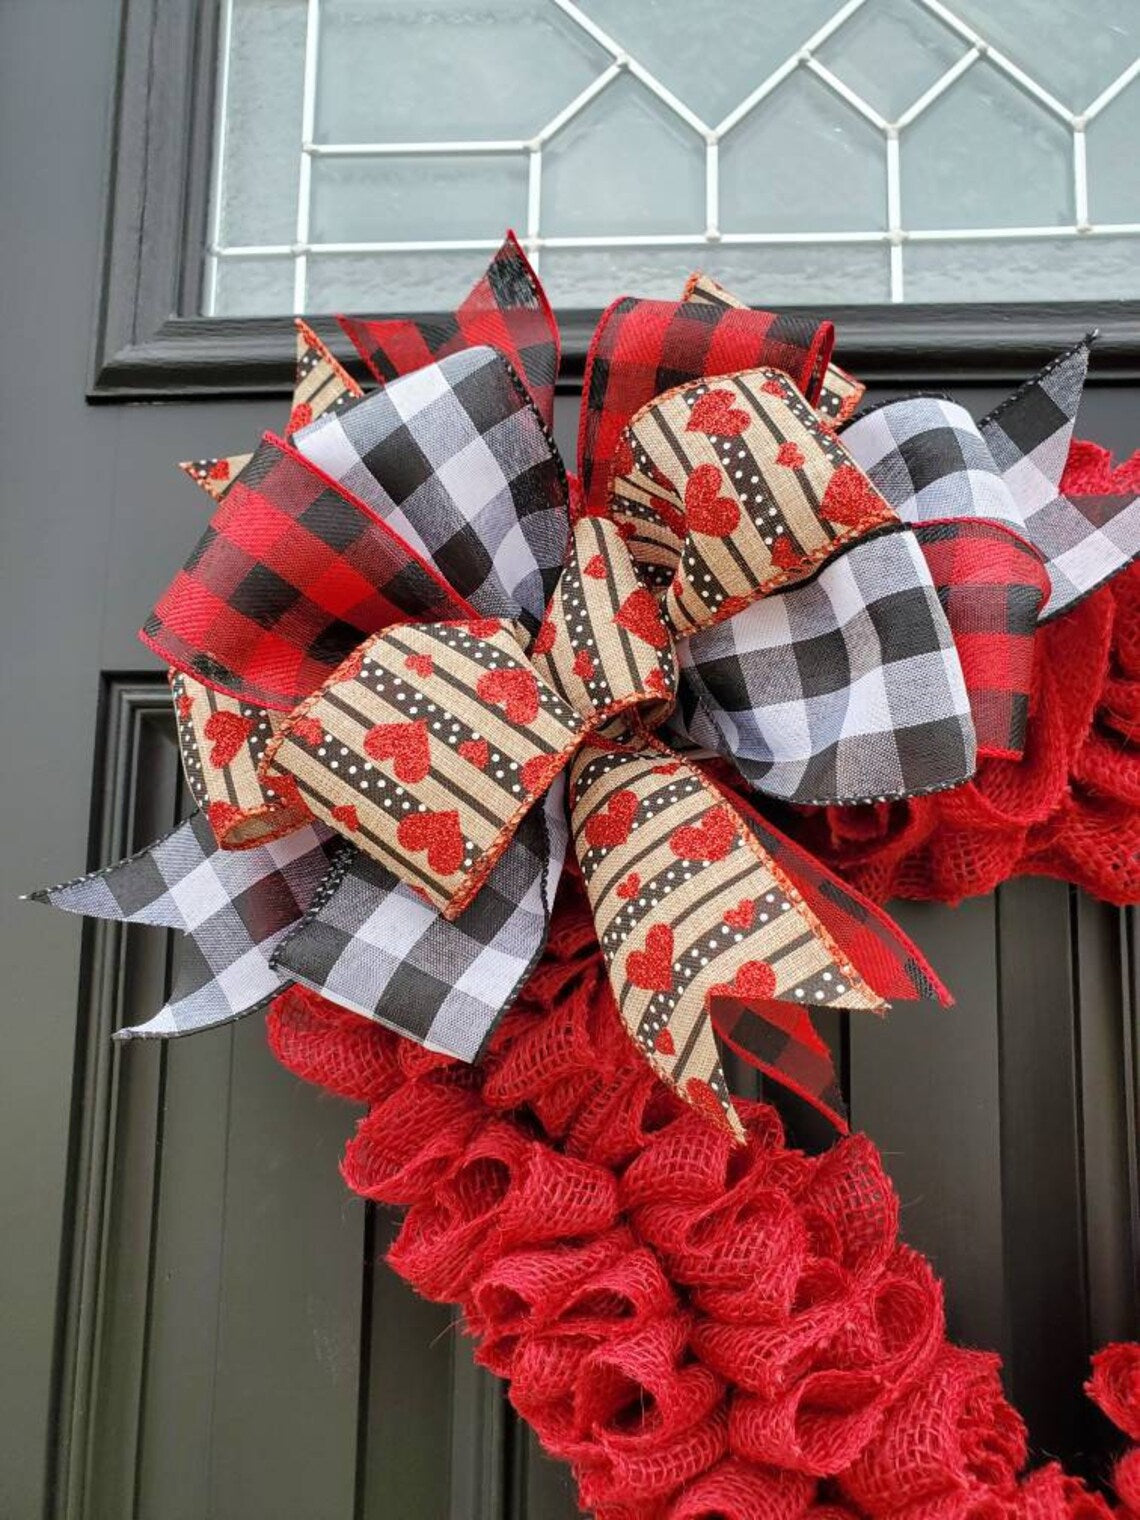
195, 1318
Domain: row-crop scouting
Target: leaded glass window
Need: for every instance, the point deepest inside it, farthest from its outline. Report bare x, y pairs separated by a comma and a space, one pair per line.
803, 151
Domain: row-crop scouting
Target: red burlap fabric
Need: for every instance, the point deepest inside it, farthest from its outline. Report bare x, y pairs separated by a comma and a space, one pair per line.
703, 1332
1070, 807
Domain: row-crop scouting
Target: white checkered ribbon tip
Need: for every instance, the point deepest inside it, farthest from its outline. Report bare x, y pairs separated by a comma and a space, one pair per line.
933, 462
232, 908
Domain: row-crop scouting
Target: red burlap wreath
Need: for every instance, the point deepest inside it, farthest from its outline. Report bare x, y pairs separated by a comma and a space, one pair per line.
703, 1332
1070, 807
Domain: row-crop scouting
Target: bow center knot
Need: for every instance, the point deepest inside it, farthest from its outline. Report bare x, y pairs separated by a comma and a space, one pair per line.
604, 646
430, 743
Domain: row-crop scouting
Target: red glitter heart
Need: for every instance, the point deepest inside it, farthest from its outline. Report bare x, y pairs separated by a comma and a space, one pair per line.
638, 615
613, 824
706, 510
715, 414
710, 839
405, 743
229, 731
651, 969
742, 915
514, 690
437, 833
850, 498
477, 751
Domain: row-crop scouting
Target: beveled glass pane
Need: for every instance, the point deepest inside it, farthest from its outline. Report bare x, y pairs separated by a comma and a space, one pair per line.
1072, 47
391, 71
803, 161
1114, 170
817, 275
1023, 269
710, 55
890, 52
625, 164
986, 155
262, 164
253, 287
373, 200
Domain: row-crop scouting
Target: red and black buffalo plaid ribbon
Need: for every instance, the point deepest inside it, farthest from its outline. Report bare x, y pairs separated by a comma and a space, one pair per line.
288, 577
992, 586
644, 348
507, 310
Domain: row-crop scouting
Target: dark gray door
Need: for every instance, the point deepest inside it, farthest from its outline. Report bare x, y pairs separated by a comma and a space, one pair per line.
194, 1321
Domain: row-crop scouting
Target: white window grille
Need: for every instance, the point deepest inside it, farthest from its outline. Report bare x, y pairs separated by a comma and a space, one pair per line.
876, 227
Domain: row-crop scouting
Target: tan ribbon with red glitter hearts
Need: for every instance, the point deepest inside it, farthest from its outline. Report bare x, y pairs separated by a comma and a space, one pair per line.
432, 742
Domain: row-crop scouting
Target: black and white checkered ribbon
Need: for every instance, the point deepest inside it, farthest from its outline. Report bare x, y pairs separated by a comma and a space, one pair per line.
931, 460
433, 455
232, 906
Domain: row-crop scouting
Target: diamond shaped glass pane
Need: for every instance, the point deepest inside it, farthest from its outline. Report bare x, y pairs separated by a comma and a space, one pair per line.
1074, 48
890, 52
711, 56
803, 161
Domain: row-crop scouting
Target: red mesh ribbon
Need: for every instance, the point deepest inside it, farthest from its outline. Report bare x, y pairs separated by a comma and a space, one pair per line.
703, 1331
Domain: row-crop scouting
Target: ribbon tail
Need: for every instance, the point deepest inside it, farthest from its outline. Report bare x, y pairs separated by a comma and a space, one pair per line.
506, 309
886, 958
233, 907
697, 908
371, 944
756, 1034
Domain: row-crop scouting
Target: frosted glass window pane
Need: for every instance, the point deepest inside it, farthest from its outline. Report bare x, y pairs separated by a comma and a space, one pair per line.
1029, 269
385, 282
782, 169
890, 52
710, 55
439, 69
1114, 170
370, 153
361, 200
819, 275
255, 287
1072, 47
625, 164
263, 121
985, 155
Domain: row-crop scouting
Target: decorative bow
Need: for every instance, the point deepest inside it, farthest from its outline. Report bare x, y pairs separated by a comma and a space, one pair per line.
392, 652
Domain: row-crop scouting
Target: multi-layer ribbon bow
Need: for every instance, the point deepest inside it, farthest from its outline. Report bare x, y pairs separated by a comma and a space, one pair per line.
395, 658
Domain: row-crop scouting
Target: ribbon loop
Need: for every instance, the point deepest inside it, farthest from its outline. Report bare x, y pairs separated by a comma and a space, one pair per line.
604, 646
427, 748
735, 489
